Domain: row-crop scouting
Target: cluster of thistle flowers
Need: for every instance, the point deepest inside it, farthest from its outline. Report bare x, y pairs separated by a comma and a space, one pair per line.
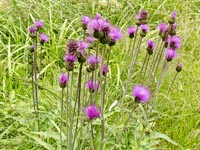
34, 31
169, 42
99, 37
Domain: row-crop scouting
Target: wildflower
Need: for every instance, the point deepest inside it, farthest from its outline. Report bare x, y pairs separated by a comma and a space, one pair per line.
142, 16
32, 30
92, 60
32, 48
172, 18
175, 42
43, 38
97, 16
141, 93
104, 70
170, 54
145, 29
82, 46
131, 31
92, 86
85, 21
162, 27
150, 47
70, 59
179, 67
38, 24
172, 30
90, 39
115, 34
167, 41
64, 78
72, 46
92, 112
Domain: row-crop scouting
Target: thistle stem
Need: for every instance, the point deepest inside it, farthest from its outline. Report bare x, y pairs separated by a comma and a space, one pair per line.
95, 73
145, 70
32, 81
92, 135
79, 103
67, 117
133, 61
159, 85
61, 116
170, 88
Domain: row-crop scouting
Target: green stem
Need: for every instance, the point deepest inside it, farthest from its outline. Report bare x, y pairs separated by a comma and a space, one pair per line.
95, 73
61, 116
93, 143
145, 70
170, 88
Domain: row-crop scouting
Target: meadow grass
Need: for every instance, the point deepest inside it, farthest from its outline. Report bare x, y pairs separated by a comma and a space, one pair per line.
177, 116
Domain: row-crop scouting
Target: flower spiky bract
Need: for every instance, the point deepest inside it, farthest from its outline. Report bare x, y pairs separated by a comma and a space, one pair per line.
92, 112
141, 93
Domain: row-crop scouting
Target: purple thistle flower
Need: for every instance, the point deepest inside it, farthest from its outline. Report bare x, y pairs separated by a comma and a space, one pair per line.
173, 15
151, 44
175, 42
71, 58
141, 93
64, 78
43, 38
92, 86
144, 28
143, 14
170, 54
92, 112
167, 41
104, 70
82, 46
97, 16
85, 21
72, 46
115, 34
92, 60
131, 30
38, 24
32, 29
90, 39
163, 28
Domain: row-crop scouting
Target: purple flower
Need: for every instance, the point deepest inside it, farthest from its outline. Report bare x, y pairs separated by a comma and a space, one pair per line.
72, 46
104, 70
144, 28
115, 34
38, 24
141, 93
97, 16
143, 14
71, 58
163, 28
32, 48
92, 112
92, 86
64, 78
90, 39
85, 20
175, 42
82, 46
173, 15
131, 30
151, 44
92, 60
170, 54
32, 29
43, 38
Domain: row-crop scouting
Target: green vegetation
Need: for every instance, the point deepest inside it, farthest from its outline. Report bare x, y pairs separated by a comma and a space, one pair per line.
178, 116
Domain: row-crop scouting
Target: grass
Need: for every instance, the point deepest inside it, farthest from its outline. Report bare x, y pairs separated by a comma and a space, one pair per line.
178, 116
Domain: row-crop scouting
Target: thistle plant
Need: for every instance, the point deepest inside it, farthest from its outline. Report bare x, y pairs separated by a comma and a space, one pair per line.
34, 31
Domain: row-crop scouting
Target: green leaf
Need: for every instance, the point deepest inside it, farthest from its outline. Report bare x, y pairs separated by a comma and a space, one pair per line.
158, 135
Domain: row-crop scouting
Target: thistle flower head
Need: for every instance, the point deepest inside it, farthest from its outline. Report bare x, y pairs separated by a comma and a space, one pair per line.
141, 93
97, 16
143, 14
92, 112
175, 42
92, 60
64, 78
173, 15
104, 70
85, 21
162, 27
72, 46
170, 54
43, 38
150, 46
115, 34
82, 45
32, 48
70, 58
92, 86
144, 29
38, 24
131, 31
32, 30
90, 39
179, 67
